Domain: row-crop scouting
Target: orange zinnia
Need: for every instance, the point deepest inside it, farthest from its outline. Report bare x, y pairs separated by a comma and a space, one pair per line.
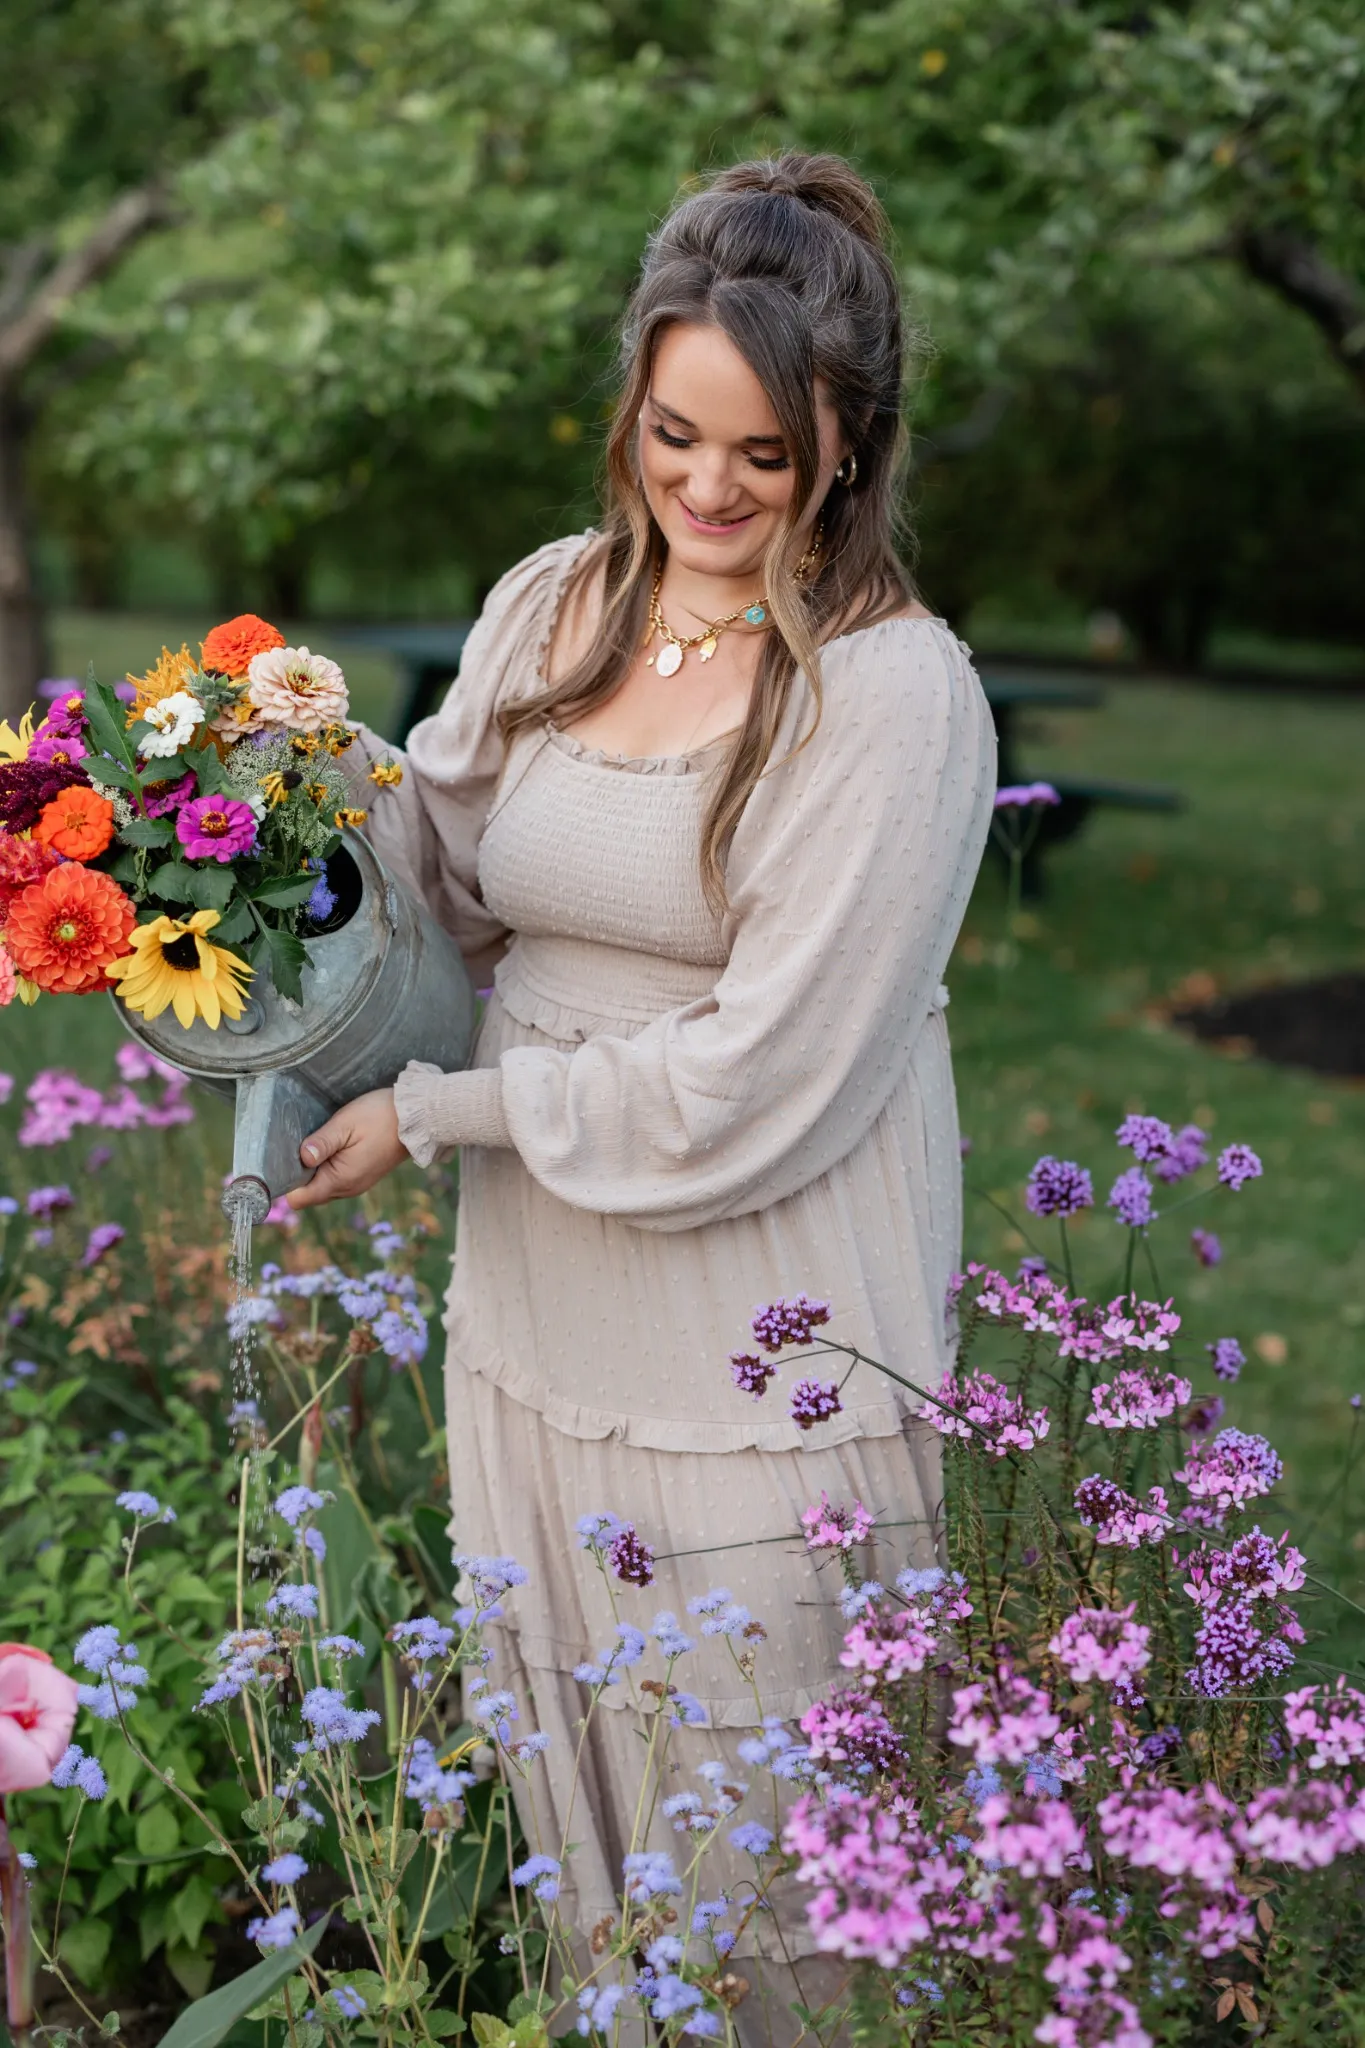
64, 931
228, 649
78, 823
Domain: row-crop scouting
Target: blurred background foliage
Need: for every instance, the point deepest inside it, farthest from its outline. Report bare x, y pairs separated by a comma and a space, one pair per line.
310, 306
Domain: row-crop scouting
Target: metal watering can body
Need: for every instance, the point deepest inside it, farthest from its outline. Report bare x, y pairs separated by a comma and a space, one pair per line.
387, 987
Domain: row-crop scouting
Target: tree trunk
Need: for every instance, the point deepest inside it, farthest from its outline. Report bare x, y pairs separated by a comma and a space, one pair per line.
22, 640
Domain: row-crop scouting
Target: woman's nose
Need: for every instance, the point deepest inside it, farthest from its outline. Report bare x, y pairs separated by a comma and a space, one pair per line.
711, 484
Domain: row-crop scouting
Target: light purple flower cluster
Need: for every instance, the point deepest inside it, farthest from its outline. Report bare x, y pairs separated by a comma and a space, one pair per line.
831, 1527
889, 1642
1131, 1199
851, 1728
1005, 1720
1256, 1566
750, 1373
431, 1783
1237, 1164
1228, 1357
978, 1408
1038, 1305
1117, 1518
1137, 1400
814, 1401
74, 1767
333, 1721
101, 1242
1206, 1247
1018, 796
1240, 1648
789, 1322
1235, 1468
1058, 1187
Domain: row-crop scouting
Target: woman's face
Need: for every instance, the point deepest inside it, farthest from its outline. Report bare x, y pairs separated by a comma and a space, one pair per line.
713, 461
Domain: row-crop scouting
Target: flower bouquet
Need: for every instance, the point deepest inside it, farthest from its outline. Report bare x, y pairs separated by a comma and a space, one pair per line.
181, 834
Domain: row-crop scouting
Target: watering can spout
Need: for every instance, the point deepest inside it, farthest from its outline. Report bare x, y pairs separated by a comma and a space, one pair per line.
276, 1111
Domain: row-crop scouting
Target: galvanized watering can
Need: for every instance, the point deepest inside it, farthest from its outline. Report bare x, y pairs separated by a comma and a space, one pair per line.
386, 986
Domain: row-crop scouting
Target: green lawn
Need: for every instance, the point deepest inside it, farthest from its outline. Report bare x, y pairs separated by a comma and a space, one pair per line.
1258, 880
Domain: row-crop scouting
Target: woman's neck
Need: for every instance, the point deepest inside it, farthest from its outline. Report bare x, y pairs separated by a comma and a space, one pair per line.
703, 597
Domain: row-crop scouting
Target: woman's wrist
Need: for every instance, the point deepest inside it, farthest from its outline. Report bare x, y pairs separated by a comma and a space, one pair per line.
436, 1111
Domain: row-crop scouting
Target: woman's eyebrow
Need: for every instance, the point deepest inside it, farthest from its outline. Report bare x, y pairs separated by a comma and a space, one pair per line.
759, 440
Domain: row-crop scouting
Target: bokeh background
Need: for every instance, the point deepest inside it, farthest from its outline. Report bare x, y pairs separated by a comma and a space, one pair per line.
307, 308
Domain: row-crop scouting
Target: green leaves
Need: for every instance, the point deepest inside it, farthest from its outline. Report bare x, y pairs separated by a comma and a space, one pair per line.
108, 730
284, 892
210, 887
147, 832
284, 956
203, 2024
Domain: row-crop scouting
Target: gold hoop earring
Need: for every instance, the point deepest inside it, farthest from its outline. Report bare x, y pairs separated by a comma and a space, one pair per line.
852, 477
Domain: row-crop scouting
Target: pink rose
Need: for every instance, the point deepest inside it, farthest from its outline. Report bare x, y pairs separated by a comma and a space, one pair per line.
37, 1713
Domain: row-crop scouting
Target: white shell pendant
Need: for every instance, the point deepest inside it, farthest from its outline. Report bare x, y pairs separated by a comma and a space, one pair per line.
670, 659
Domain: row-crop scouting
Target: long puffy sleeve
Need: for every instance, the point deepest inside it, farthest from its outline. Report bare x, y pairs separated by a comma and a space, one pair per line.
848, 879
427, 829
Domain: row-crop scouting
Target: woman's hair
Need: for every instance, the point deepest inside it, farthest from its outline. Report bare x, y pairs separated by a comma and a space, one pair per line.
788, 257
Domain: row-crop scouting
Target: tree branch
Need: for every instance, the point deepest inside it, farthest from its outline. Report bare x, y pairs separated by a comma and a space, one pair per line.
1290, 265
130, 216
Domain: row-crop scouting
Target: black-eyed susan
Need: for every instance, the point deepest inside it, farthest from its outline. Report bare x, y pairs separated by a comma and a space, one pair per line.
386, 774
350, 816
174, 964
337, 738
278, 786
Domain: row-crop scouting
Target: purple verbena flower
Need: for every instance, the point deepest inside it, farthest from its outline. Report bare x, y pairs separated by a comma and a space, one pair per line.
750, 1373
1206, 1247
101, 1240
1058, 1187
1188, 1153
1237, 1164
814, 1401
1148, 1138
1228, 1357
630, 1557
789, 1322
1131, 1197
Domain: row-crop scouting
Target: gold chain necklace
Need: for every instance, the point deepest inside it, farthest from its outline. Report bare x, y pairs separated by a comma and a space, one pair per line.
669, 658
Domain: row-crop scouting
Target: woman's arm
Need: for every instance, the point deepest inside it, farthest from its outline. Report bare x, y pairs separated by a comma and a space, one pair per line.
849, 877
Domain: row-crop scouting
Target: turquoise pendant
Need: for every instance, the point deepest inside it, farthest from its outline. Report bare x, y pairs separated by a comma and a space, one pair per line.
755, 615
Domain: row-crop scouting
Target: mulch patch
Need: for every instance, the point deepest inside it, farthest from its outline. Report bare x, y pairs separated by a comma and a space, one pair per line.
1315, 1024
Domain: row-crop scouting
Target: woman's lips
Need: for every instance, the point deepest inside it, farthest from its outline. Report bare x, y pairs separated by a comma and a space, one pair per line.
717, 529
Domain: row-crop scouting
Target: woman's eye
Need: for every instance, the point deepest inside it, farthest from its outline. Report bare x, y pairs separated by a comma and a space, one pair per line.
770, 462
670, 440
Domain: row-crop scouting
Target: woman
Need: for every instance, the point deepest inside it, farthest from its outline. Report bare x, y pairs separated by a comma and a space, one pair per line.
707, 803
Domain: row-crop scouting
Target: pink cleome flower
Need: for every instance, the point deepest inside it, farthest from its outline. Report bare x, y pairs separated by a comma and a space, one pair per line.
1232, 1470
888, 1643
979, 1408
1036, 1838
1137, 1400
829, 1527
1004, 1721
1331, 1723
1306, 1825
1102, 1643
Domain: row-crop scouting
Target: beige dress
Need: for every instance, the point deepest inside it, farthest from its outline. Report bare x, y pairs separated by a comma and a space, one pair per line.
674, 1118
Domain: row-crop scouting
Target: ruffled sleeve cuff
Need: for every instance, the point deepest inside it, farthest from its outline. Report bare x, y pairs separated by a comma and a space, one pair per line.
437, 1112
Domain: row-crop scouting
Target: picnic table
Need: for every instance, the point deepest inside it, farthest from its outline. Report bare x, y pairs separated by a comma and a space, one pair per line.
427, 658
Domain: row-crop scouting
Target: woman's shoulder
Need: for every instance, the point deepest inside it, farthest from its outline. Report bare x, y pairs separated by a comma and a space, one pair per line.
898, 673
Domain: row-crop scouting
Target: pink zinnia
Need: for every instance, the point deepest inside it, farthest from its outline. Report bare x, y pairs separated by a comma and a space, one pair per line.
216, 827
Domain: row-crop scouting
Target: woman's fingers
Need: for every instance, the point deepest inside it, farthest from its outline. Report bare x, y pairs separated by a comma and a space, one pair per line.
354, 1149
334, 1136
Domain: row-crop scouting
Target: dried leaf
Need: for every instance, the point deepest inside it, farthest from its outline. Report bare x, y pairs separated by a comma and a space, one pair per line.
1265, 1914
35, 1293
1246, 2006
1225, 2004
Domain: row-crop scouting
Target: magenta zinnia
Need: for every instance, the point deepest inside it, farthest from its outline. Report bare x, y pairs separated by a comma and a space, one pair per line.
216, 827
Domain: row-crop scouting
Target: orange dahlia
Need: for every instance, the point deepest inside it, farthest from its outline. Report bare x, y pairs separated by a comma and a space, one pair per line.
64, 931
228, 649
78, 823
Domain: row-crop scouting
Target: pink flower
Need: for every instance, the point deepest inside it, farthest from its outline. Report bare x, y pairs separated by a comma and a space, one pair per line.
1181, 1834
1333, 1722
890, 1643
1038, 1839
52, 744
1097, 1642
835, 1528
979, 1408
216, 828
37, 1713
289, 686
1232, 1470
1116, 1517
1004, 1722
1304, 1825
1137, 1400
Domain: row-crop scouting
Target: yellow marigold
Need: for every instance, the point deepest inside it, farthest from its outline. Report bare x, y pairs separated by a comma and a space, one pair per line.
171, 673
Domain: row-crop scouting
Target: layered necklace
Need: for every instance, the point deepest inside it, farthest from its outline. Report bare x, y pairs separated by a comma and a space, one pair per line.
669, 658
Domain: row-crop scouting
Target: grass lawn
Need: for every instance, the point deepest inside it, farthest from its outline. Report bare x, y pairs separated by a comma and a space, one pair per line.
1258, 880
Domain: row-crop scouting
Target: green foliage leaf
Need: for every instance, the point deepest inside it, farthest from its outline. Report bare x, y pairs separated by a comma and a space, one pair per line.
203, 2024
84, 1946
285, 956
283, 892
191, 1967
109, 773
171, 882
444, 2025
211, 887
262, 1814
147, 832
107, 727
157, 1832
234, 925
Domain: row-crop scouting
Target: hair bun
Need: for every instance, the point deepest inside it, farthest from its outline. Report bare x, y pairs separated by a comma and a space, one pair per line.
827, 184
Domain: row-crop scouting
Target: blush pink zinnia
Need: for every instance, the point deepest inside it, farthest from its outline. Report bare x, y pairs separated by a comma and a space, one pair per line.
37, 1713
215, 827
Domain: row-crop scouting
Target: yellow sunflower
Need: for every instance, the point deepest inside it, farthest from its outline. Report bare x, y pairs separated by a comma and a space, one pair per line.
173, 963
171, 673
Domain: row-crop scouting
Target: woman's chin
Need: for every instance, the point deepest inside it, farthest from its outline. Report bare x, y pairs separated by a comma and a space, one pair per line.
718, 553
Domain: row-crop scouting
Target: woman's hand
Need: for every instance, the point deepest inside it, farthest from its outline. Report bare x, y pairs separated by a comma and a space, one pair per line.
354, 1149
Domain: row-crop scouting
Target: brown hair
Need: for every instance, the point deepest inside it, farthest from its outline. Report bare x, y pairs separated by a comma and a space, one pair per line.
788, 257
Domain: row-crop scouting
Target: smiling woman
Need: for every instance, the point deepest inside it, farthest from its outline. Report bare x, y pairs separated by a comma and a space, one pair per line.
708, 801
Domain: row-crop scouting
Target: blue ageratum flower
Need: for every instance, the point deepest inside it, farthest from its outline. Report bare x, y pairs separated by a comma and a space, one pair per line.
541, 1875
299, 1601
145, 1506
286, 1869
